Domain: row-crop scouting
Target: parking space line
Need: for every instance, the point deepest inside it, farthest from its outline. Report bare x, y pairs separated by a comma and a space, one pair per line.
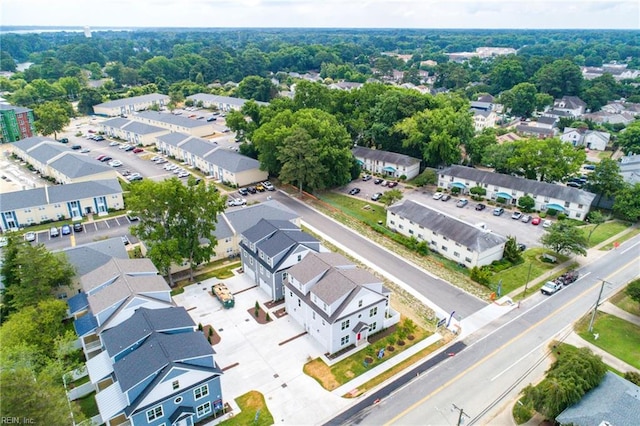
106, 222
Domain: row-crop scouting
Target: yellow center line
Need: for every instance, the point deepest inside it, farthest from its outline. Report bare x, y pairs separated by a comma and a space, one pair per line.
472, 367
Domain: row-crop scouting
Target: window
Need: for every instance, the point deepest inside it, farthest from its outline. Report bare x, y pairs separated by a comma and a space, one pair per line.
299, 303
467, 259
373, 326
456, 254
546, 199
178, 400
175, 384
392, 222
411, 231
420, 237
566, 204
290, 294
579, 206
401, 226
344, 340
299, 257
154, 413
373, 311
578, 214
204, 409
444, 248
360, 303
201, 392
313, 315
445, 238
261, 269
344, 325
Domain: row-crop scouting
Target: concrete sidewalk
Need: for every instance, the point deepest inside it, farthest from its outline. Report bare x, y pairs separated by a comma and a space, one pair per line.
385, 366
577, 341
612, 309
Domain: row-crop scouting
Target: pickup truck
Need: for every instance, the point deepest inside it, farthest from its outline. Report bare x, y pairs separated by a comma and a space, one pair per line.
550, 288
223, 294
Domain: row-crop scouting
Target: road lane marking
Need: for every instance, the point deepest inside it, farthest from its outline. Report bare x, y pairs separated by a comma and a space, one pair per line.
627, 249
483, 360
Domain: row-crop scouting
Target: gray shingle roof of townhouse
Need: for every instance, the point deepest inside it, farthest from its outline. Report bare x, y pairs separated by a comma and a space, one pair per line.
158, 351
87, 257
58, 194
242, 219
46, 151
77, 165
315, 264
141, 324
199, 147
27, 143
176, 120
117, 122
232, 161
173, 138
16, 109
528, 186
386, 156
456, 230
266, 227
133, 100
142, 128
206, 97
282, 240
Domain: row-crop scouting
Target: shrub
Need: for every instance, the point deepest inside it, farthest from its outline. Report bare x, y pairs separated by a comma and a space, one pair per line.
542, 215
478, 190
633, 377
480, 275
501, 200
200, 326
403, 177
256, 309
439, 189
552, 212
562, 216
210, 331
268, 317
455, 190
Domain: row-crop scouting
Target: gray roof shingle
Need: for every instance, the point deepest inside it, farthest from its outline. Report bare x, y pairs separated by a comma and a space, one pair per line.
152, 97
198, 147
176, 120
87, 257
232, 161
528, 186
75, 165
385, 156
173, 138
456, 230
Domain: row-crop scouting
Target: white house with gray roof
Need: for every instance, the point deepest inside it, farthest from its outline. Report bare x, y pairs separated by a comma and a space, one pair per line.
175, 123
221, 103
590, 139
221, 164
130, 105
132, 131
51, 203
337, 303
269, 248
155, 368
573, 202
56, 160
111, 294
386, 163
453, 238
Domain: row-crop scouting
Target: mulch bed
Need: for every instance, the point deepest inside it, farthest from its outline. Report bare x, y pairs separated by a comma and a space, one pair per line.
271, 304
214, 338
280, 312
262, 315
382, 334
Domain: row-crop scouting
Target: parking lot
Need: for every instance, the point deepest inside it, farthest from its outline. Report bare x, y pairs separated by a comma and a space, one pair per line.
525, 233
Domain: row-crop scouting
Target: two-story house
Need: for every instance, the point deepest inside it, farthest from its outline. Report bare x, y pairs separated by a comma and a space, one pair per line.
572, 105
222, 103
386, 163
156, 369
573, 202
483, 119
336, 302
453, 238
129, 105
590, 139
269, 248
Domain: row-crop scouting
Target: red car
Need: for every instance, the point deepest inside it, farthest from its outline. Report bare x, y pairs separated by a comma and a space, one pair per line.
536, 221
138, 150
392, 184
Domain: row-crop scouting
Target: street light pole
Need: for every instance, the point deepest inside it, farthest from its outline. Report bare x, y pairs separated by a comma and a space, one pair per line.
595, 308
462, 413
524, 293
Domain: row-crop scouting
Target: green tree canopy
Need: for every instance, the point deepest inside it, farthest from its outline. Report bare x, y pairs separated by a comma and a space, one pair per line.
521, 99
627, 202
390, 197
300, 158
559, 78
564, 237
605, 180
629, 139
51, 118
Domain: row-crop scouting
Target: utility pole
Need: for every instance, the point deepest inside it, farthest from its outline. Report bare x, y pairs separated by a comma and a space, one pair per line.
524, 293
462, 413
595, 308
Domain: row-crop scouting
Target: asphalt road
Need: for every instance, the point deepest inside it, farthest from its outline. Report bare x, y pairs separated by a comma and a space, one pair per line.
497, 362
446, 296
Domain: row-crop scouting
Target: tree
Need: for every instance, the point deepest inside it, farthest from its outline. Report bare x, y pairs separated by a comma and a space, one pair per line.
605, 179
511, 251
559, 78
88, 98
629, 139
71, 86
506, 73
51, 117
257, 88
627, 202
564, 238
391, 197
526, 203
595, 218
31, 272
177, 221
477, 146
633, 290
521, 99
7, 63
300, 158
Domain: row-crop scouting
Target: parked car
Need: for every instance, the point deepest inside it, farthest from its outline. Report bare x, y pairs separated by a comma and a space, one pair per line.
445, 197
437, 195
462, 202
366, 177
210, 119
99, 138
105, 159
354, 191
252, 189
85, 150
522, 247
115, 163
100, 157
268, 186
589, 167
53, 232
137, 150
131, 217
498, 211
480, 207
377, 181
236, 202
550, 288
184, 174
536, 221
77, 227
66, 229
243, 191
376, 196
30, 236
76, 147
64, 140
547, 223
135, 178
129, 148
114, 143
516, 215
260, 187
525, 218
392, 184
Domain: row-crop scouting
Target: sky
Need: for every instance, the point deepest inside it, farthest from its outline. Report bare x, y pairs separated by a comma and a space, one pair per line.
509, 14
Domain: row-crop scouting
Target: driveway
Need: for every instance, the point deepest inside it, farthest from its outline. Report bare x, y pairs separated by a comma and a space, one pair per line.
268, 358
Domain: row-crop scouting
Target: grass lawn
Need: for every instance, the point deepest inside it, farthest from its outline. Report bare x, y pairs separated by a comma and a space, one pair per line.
604, 231
622, 239
624, 302
616, 336
331, 377
356, 207
88, 405
516, 276
218, 269
249, 404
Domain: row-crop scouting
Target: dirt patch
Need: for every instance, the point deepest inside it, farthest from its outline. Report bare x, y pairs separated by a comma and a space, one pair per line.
262, 317
211, 335
321, 373
350, 374
390, 348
